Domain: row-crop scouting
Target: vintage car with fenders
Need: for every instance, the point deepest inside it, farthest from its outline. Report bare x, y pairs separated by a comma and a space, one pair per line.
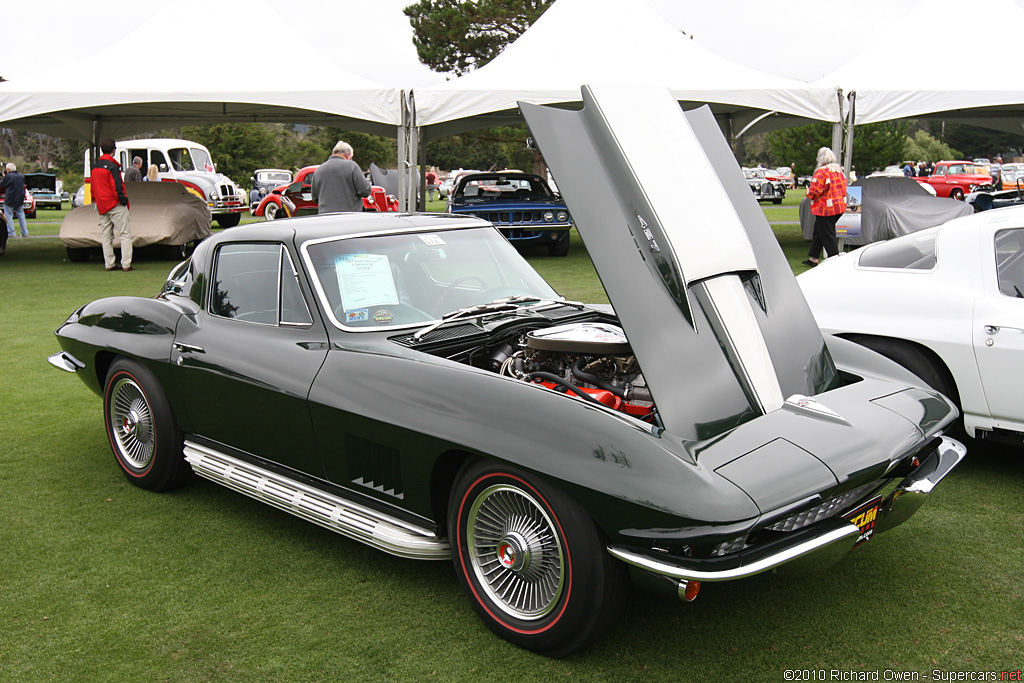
766, 187
409, 381
295, 198
955, 179
263, 180
521, 205
190, 164
964, 281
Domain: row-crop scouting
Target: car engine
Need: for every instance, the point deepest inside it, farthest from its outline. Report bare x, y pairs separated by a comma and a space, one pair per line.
590, 360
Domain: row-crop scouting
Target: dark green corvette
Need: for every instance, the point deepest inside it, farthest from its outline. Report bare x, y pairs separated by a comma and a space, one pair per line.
410, 382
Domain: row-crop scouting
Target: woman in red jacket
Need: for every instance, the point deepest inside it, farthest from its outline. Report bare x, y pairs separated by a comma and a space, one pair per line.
827, 192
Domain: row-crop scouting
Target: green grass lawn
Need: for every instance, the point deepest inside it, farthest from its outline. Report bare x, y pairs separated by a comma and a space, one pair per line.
101, 581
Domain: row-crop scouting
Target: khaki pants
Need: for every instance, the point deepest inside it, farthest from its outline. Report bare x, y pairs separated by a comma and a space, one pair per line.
116, 219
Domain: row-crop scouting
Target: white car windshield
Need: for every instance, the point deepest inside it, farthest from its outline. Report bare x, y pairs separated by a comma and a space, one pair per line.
190, 159
409, 280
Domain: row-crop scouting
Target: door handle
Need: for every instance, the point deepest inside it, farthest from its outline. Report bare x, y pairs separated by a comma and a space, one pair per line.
992, 329
188, 348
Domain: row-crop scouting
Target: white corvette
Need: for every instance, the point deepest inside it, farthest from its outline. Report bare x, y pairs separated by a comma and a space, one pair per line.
947, 303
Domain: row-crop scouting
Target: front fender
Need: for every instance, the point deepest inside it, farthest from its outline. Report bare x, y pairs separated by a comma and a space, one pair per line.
273, 197
128, 326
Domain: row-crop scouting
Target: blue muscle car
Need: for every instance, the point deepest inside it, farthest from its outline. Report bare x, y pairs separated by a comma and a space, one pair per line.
521, 205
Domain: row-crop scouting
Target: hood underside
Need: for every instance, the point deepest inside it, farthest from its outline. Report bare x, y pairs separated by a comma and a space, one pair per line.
691, 266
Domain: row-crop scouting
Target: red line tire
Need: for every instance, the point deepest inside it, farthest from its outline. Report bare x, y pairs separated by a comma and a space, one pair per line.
142, 429
531, 561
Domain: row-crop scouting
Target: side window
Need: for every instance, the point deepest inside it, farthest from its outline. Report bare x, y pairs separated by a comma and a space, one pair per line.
157, 157
293, 307
1009, 248
257, 283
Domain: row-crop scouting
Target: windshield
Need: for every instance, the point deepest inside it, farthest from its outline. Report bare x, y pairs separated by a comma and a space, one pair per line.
409, 280
503, 187
194, 159
275, 177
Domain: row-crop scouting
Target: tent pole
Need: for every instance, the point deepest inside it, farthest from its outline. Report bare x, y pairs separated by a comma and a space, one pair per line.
837, 127
847, 162
412, 152
403, 140
421, 172
410, 168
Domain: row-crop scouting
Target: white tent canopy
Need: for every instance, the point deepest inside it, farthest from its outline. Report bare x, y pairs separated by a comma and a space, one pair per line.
601, 41
956, 80
166, 73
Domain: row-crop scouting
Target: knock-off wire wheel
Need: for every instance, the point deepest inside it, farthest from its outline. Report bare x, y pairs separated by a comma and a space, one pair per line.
132, 421
515, 552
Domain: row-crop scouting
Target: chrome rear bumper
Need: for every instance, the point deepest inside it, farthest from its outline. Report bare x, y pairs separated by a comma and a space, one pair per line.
815, 548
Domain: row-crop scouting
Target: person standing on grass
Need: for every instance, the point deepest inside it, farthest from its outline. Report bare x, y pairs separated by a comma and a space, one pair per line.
338, 184
112, 204
13, 186
827, 192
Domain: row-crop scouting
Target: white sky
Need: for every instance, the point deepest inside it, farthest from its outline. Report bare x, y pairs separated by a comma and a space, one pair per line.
796, 38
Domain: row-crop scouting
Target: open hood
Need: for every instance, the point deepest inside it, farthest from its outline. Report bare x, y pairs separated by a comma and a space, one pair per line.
699, 283
44, 182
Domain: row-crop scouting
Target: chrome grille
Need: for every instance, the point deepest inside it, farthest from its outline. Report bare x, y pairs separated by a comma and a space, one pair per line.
513, 217
829, 508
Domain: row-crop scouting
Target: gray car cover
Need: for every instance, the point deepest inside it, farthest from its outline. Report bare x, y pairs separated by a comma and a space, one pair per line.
889, 207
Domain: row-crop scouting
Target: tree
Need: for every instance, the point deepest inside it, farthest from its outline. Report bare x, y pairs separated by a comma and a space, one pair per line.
368, 148
485, 150
875, 145
923, 147
237, 149
457, 36
975, 141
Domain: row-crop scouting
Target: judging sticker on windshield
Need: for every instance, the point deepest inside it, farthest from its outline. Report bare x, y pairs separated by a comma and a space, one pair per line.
432, 240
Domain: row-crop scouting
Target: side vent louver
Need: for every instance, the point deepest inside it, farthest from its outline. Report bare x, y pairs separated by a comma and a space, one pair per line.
375, 466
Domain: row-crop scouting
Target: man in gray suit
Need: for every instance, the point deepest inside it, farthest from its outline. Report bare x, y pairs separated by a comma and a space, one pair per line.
339, 184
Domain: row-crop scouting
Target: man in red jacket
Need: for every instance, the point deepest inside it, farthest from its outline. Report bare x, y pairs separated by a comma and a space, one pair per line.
112, 204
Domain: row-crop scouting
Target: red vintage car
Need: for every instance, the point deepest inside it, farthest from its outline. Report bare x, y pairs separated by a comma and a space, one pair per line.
280, 201
29, 205
955, 179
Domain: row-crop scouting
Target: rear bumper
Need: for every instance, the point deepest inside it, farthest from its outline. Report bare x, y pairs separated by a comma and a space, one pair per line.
813, 548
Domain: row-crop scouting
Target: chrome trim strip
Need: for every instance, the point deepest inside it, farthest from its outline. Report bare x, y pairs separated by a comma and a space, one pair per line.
844, 536
65, 361
345, 517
